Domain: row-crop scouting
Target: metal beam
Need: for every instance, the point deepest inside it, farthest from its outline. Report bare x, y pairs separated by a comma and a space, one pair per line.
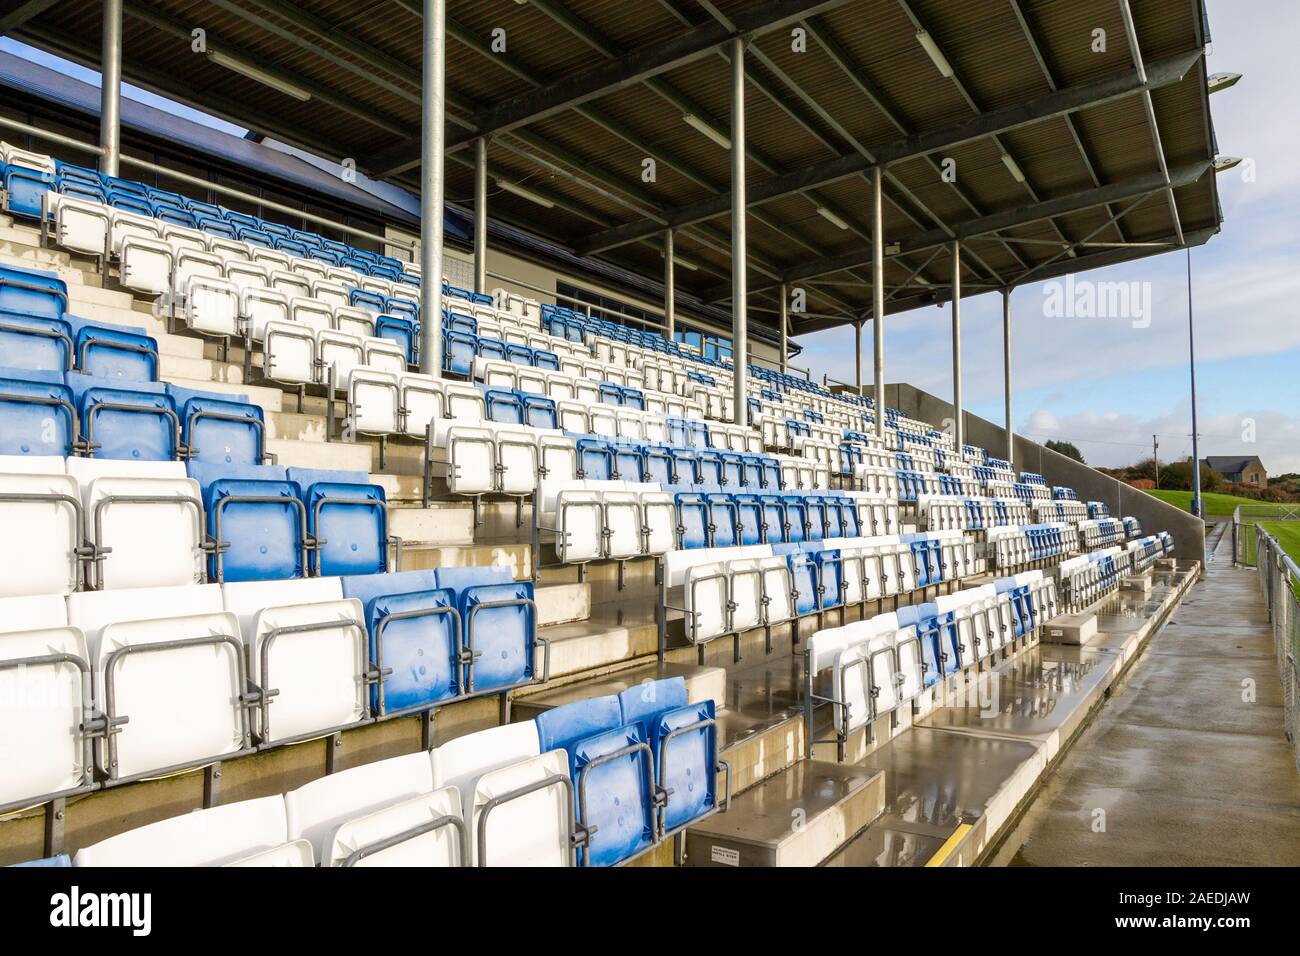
633, 67
739, 320
110, 88
1048, 106
783, 317
878, 295
433, 133
983, 225
20, 13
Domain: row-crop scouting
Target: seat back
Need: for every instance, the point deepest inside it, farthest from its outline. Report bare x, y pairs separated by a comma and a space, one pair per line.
217, 836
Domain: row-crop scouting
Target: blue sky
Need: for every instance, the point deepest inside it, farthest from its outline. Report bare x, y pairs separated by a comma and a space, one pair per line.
1108, 386
1102, 383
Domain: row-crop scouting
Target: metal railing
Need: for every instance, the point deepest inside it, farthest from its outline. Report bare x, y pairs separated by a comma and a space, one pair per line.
1279, 577
1245, 520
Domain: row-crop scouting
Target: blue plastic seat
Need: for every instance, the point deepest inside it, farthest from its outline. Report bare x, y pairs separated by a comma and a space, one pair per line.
415, 639
628, 464
38, 414
134, 421
458, 351
803, 574
24, 188
365, 299
401, 330
749, 516
348, 518
685, 466
595, 459
539, 411
32, 292
36, 342
220, 429
724, 520
693, 519
498, 623
657, 464
115, 351
796, 518
709, 468
774, 530
255, 515
504, 406
545, 359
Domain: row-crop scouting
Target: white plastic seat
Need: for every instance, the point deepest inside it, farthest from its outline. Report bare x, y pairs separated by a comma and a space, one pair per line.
260, 306
309, 269
289, 353
579, 521
171, 661
333, 294
274, 259
423, 401
705, 600
45, 682
291, 284
659, 513
316, 810
145, 521
123, 224
622, 519
374, 401
192, 262
183, 237
229, 249
745, 589
146, 265
315, 315
81, 225
43, 531
421, 831
295, 853
340, 351
384, 354
212, 305
247, 275
309, 643
218, 836
464, 402
495, 373
354, 321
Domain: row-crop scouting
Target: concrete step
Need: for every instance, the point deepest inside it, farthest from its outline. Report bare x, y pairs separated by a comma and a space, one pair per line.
200, 369
441, 524
293, 426
400, 490
517, 557
600, 644
268, 398
702, 683
798, 817
307, 454
562, 604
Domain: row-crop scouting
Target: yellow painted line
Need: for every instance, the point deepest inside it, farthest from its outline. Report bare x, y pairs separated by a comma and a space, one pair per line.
941, 855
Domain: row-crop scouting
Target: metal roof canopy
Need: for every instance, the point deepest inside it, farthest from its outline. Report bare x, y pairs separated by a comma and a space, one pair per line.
1079, 137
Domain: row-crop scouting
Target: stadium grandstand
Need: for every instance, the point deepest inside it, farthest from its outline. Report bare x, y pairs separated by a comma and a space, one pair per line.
404, 462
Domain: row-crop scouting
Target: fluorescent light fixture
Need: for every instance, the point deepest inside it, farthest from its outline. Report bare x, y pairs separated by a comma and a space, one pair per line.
261, 76
690, 119
831, 217
1224, 163
525, 193
1014, 169
1222, 81
936, 55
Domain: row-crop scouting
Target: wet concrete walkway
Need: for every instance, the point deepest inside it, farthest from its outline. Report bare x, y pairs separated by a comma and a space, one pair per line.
1179, 768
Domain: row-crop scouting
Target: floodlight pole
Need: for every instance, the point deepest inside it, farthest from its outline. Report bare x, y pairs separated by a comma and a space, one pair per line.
1198, 507
480, 214
739, 319
958, 432
1006, 371
432, 135
110, 89
670, 287
783, 316
878, 295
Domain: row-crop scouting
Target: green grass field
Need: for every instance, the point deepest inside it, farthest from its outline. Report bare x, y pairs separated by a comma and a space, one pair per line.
1216, 505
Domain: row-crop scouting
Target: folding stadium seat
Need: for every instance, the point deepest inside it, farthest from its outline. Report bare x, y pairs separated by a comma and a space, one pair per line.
499, 624
612, 767
211, 306
316, 315
339, 352
374, 402
36, 342
144, 523
146, 265
45, 678
257, 519
289, 353
40, 506
577, 517
81, 225
114, 351
347, 519
333, 294
129, 420
218, 836
38, 415
124, 224
357, 322
179, 701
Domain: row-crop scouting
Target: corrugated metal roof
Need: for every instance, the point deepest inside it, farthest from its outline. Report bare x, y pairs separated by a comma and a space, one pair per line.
863, 82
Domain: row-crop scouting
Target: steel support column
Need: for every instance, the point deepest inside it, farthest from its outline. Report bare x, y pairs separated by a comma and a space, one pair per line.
878, 296
1006, 372
480, 214
959, 433
783, 317
1198, 506
670, 287
432, 137
857, 355
739, 319
110, 89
